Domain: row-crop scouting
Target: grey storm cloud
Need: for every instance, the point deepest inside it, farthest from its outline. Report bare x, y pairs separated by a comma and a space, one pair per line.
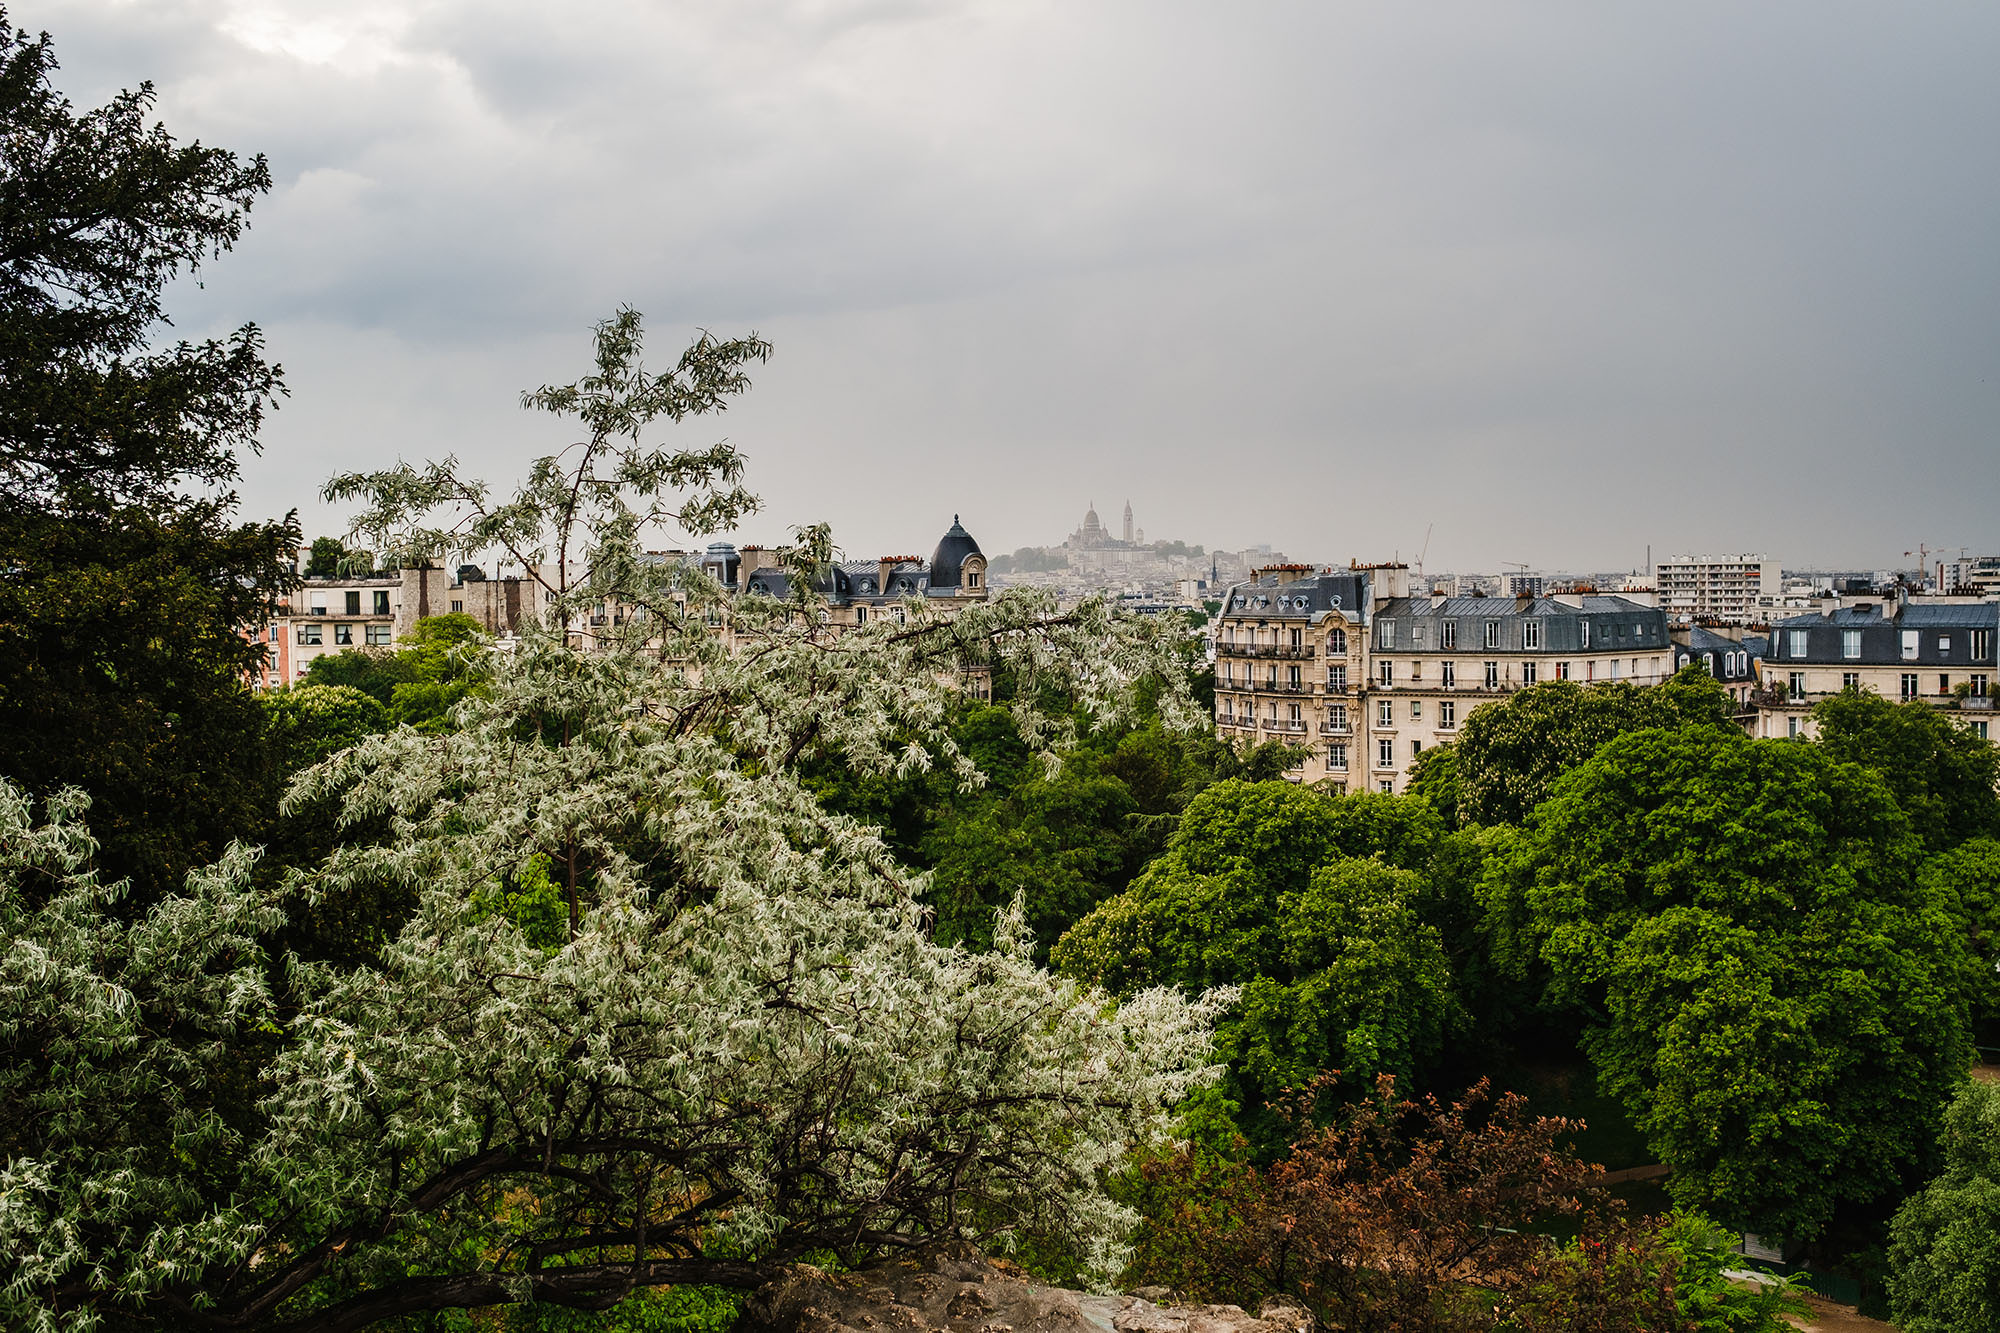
1554, 281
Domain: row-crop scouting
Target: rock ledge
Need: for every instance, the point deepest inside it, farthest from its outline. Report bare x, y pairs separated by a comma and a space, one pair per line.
955, 1289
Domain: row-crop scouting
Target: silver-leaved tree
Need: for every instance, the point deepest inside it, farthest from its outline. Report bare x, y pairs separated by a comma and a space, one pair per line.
742, 1046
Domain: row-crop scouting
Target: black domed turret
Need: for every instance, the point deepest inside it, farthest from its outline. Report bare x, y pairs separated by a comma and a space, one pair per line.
952, 549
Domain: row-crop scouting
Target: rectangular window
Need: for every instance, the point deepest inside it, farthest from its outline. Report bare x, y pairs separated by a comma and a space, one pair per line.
309, 634
1614, 668
1385, 753
1416, 748
1386, 787
1589, 671
1450, 670
1850, 644
1978, 690
1944, 645
1850, 680
1562, 671
1944, 682
353, 601
1912, 644
1385, 713
1795, 684
458, 606
860, 615
1492, 634
1416, 671
1228, 673
1417, 636
1336, 678
1492, 675
1527, 673
1792, 727
1298, 638
1982, 644
1293, 716
1979, 730
1416, 710
343, 634
1448, 713
1583, 631
1336, 755
1385, 634
1386, 674
378, 635
1336, 715
1909, 686
1531, 634
318, 608
381, 601
274, 634
1292, 681
1797, 639
1448, 634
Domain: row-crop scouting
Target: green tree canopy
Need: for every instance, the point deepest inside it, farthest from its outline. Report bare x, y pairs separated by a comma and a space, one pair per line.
1510, 753
1944, 1249
1768, 987
312, 722
125, 581
1968, 879
1941, 773
1309, 904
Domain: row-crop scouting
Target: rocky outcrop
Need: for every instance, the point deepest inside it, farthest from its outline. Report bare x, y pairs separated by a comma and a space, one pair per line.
955, 1289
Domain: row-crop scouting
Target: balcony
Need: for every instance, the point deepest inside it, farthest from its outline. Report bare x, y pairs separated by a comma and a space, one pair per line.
1335, 729
1289, 728
1302, 653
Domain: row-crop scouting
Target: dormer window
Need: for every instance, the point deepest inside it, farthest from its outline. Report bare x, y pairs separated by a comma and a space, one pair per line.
972, 578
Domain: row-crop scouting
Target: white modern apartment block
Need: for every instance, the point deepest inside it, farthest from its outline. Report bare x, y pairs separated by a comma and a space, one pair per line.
1727, 588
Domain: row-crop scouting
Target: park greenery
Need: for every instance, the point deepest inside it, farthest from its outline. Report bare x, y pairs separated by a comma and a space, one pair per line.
591, 986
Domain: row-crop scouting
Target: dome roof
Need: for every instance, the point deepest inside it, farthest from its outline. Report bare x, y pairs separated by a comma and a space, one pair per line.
952, 549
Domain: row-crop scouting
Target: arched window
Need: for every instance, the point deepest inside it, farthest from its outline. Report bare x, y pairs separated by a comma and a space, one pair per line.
1336, 641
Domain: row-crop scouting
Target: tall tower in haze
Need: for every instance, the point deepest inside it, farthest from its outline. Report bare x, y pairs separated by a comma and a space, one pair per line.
1128, 522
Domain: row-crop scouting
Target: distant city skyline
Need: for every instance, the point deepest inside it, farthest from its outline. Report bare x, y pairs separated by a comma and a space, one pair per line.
1550, 284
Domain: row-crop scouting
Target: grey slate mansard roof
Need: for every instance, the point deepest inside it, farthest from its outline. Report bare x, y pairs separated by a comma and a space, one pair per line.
1702, 641
1943, 636
1616, 625
1308, 596
849, 581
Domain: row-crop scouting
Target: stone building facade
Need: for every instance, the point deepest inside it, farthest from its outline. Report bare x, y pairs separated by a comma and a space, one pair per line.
1365, 677
1940, 653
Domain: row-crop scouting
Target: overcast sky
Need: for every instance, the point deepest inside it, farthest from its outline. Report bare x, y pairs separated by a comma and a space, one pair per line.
1556, 280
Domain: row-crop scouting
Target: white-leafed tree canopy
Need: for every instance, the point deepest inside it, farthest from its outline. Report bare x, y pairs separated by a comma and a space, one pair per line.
741, 1047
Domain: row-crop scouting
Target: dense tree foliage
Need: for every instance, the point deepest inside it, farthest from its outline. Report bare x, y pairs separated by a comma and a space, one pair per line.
654, 1015
1942, 774
122, 577
1944, 1254
1510, 753
1967, 879
1770, 988
1309, 904
1062, 840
